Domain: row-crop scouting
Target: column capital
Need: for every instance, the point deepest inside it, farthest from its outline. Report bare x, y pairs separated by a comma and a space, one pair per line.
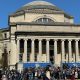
25, 39
69, 39
47, 39
55, 40
39, 39
33, 39
76, 39
17, 39
62, 39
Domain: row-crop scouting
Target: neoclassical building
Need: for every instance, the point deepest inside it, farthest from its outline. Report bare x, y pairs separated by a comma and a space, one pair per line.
40, 34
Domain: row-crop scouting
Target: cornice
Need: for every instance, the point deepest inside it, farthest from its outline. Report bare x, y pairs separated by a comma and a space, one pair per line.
47, 24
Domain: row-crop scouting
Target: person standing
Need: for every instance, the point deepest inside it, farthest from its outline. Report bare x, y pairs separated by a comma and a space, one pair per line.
48, 74
4, 77
72, 75
76, 74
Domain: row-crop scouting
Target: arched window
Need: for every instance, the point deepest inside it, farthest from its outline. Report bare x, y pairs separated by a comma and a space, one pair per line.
44, 20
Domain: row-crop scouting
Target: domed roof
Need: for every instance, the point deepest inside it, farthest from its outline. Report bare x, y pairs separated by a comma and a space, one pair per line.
39, 2
39, 6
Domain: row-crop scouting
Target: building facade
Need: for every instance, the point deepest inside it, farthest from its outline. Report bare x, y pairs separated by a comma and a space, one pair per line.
39, 32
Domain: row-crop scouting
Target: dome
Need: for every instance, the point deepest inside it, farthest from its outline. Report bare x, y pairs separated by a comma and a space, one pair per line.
38, 2
38, 6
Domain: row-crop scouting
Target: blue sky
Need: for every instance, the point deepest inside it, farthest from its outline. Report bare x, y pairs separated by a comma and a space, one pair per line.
7, 7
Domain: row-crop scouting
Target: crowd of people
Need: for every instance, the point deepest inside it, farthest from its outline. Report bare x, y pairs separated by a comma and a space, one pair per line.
47, 73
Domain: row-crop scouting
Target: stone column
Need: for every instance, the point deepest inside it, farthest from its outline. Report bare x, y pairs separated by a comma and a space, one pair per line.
47, 50
13, 54
63, 51
18, 50
32, 51
55, 51
40, 51
77, 50
25, 51
70, 51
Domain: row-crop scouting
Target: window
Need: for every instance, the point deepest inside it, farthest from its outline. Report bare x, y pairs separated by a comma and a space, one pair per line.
44, 20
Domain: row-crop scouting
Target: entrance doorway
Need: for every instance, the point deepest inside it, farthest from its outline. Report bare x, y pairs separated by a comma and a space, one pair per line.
51, 56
